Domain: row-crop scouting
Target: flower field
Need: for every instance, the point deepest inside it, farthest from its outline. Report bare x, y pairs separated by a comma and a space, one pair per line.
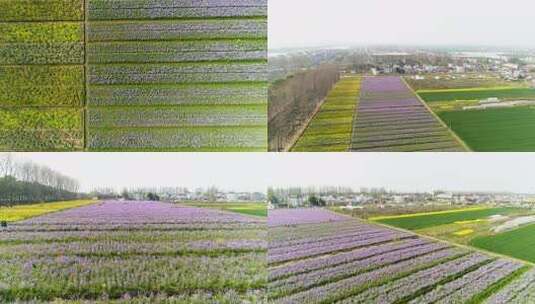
341, 260
134, 252
177, 75
391, 118
41, 75
330, 129
21, 212
147, 75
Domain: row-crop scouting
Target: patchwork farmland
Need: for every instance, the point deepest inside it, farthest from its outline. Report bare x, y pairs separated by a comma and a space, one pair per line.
503, 123
316, 256
42, 88
134, 252
376, 114
151, 75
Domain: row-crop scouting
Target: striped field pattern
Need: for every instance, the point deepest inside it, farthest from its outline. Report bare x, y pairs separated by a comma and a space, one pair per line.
341, 260
330, 129
41, 75
390, 117
177, 75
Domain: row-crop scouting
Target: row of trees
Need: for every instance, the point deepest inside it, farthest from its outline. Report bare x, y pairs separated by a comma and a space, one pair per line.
28, 182
293, 101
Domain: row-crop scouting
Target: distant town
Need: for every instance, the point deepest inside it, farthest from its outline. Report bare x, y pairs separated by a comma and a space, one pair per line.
381, 198
423, 62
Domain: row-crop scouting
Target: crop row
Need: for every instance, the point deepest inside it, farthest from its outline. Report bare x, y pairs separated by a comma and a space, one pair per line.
41, 32
296, 232
387, 115
182, 116
319, 277
519, 291
155, 9
356, 236
477, 94
190, 94
197, 232
463, 289
179, 139
404, 287
305, 252
177, 73
348, 286
330, 129
341, 258
90, 277
360, 230
176, 51
50, 10
33, 53
177, 30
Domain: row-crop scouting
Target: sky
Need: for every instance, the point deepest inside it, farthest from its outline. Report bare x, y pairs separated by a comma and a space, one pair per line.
514, 172
415, 22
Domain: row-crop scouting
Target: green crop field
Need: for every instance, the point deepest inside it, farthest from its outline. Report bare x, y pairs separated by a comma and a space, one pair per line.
477, 94
129, 75
258, 209
509, 129
41, 75
331, 128
421, 221
518, 243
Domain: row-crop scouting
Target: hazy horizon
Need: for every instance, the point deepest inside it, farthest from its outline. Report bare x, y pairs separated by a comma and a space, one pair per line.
300, 23
414, 172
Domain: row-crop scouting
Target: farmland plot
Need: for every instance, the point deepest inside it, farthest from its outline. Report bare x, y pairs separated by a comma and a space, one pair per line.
339, 260
330, 129
42, 88
145, 252
389, 117
177, 75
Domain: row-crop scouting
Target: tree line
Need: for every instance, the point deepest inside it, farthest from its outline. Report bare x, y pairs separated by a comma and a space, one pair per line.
293, 102
27, 182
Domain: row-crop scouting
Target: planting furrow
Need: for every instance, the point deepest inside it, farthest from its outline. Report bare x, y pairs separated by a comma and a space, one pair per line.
307, 280
400, 289
463, 289
193, 94
346, 287
341, 258
177, 30
519, 291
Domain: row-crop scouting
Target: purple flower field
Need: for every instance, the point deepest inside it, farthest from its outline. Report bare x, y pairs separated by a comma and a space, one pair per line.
390, 117
145, 252
281, 217
324, 260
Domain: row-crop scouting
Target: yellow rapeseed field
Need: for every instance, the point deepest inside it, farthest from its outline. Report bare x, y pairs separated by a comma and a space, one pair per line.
463, 232
21, 212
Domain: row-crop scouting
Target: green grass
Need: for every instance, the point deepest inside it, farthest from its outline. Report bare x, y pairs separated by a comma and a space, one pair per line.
430, 220
494, 130
331, 128
477, 94
518, 243
257, 209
